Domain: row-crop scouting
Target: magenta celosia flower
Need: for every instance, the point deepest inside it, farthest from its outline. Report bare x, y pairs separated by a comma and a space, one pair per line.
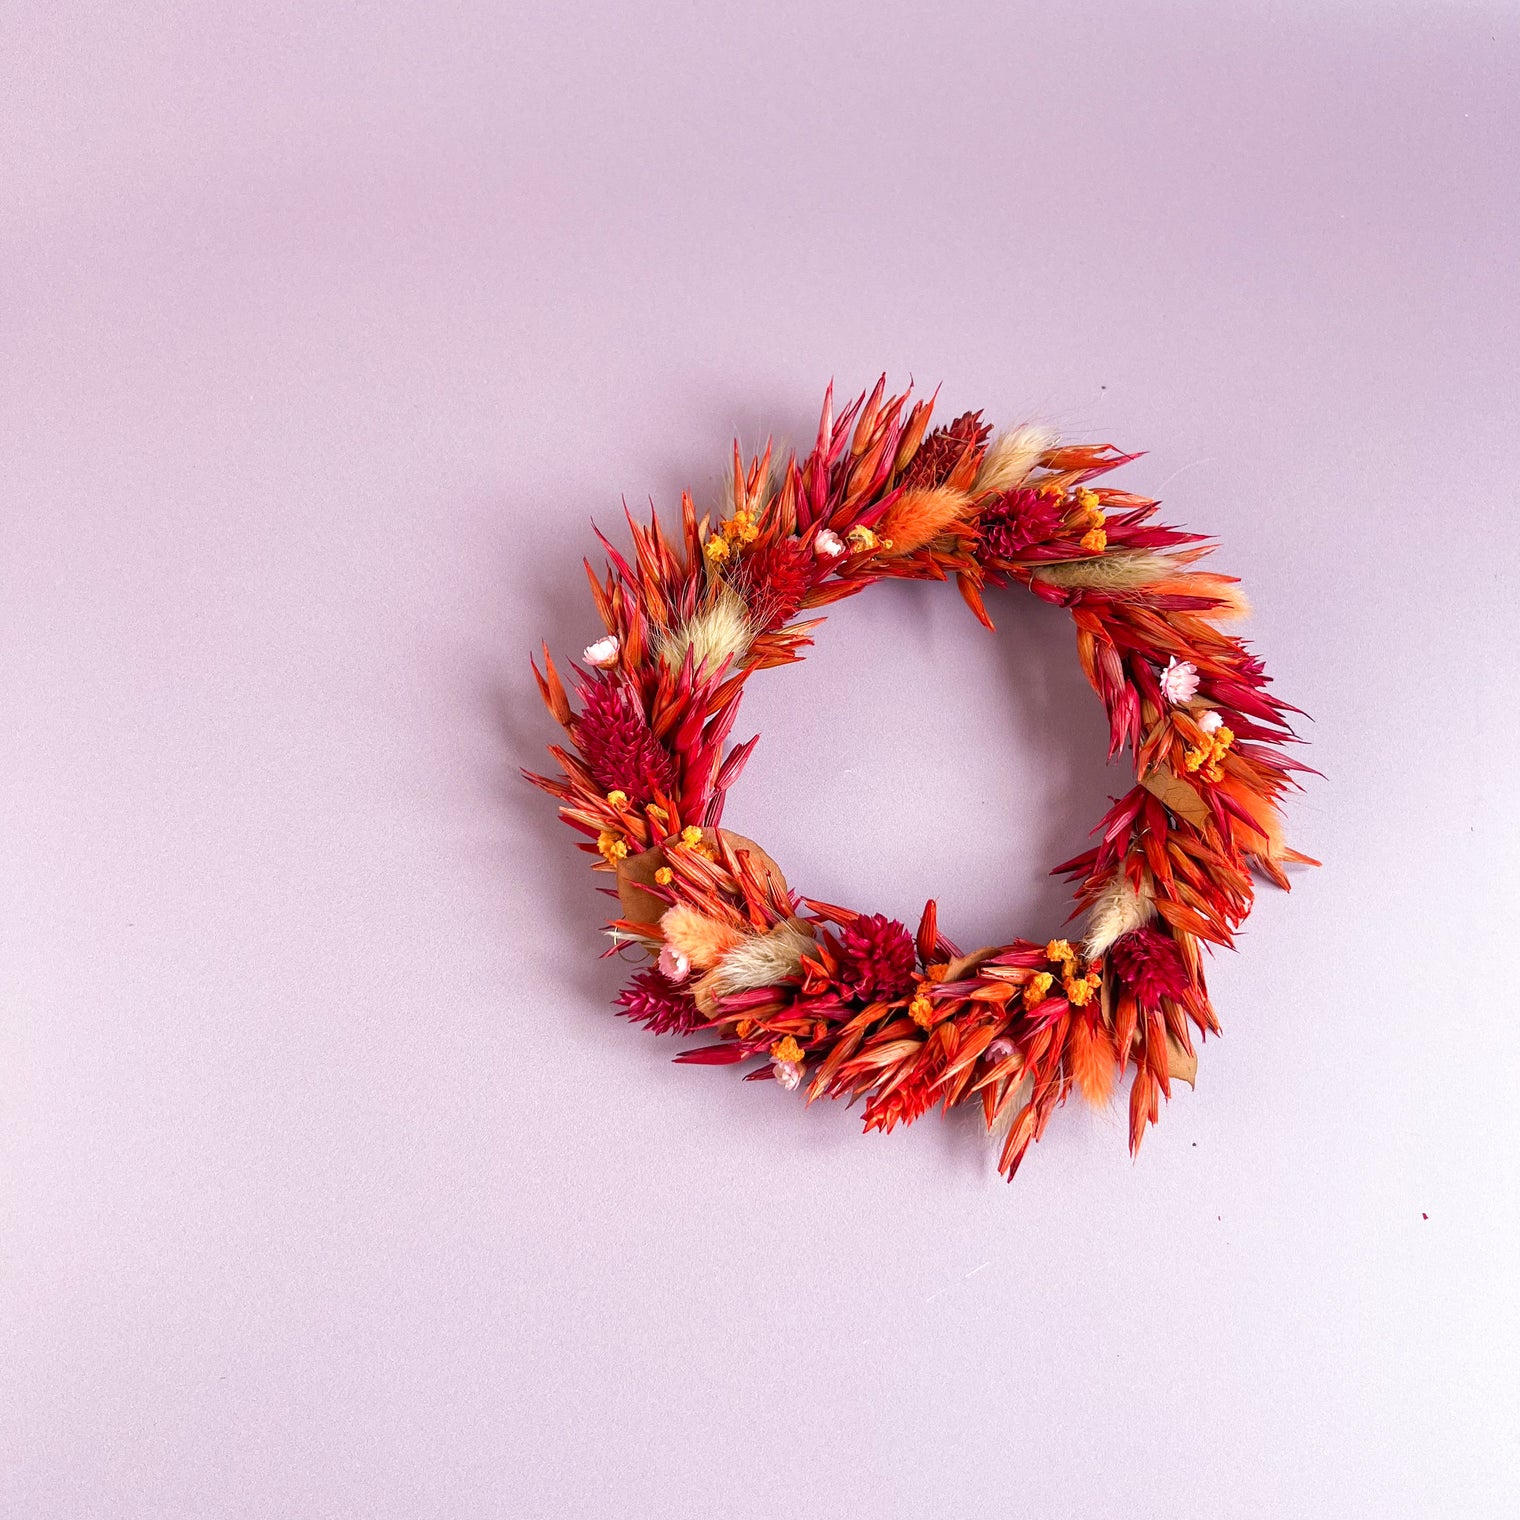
621, 753
939, 453
1017, 520
652, 1000
1150, 965
876, 958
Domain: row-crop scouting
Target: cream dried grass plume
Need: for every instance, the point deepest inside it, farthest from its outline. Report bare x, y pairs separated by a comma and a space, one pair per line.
1118, 910
720, 631
1127, 570
1110, 572
1011, 458
759, 960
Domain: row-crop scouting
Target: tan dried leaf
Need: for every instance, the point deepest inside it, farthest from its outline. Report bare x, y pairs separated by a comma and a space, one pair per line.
1181, 1065
635, 874
959, 967
1178, 795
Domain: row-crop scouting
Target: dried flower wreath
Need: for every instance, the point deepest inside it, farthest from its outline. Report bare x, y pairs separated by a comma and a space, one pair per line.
854, 1004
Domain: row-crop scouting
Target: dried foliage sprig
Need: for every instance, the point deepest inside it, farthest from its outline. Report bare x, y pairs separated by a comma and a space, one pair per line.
855, 1005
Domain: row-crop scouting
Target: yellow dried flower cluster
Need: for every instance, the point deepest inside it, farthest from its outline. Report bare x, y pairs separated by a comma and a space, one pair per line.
1080, 990
1060, 951
613, 849
1207, 758
736, 532
863, 539
921, 1009
786, 1049
1036, 988
691, 837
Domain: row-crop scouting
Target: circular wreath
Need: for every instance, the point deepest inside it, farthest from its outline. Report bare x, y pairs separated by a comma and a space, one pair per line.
853, 1004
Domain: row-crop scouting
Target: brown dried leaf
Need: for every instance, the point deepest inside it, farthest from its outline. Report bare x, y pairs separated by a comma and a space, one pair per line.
958, 968
1173, 792
635, 874
1181, 1065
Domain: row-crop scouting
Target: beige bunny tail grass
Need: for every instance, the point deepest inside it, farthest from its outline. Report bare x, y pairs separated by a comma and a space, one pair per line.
1011, 458
761, 960
1118, 909
1120, 571
720, 631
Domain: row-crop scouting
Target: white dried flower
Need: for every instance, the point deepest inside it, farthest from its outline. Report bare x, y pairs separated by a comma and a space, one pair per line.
1209, 721
674, 966
1179, 681
827, 544
603, 653
788, 1073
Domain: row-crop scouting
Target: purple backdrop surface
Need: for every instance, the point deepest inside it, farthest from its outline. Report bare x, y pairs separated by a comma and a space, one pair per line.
328, 1184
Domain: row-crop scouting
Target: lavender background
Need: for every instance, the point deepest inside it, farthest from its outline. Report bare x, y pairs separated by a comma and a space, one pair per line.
330, 1187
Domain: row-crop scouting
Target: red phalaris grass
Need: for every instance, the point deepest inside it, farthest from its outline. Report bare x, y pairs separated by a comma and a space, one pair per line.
622, 754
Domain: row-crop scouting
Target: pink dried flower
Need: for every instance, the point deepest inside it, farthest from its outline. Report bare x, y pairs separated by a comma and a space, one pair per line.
876, 958
787, 1073
827, 544
652, 1000
674, 966
1151, 965
1210, 721
1179, 681
603, 654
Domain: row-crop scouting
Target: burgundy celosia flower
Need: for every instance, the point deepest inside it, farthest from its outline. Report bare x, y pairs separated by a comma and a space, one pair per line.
1016, 520
657, 1003
773, 581
621, 752
938, 453
1151, 965
876, 958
